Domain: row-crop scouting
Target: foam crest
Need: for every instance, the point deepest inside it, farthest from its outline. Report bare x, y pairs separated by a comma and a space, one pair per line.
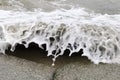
74, 29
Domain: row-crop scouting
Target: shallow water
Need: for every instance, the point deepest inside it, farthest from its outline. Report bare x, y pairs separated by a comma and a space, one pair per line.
63, 24
99, 6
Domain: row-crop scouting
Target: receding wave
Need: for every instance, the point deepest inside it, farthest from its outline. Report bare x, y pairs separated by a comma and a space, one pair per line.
74, 29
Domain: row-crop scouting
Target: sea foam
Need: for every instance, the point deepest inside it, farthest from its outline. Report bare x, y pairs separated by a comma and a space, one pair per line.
74, 29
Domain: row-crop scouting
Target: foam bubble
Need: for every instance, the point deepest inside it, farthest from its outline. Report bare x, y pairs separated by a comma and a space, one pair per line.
74, 29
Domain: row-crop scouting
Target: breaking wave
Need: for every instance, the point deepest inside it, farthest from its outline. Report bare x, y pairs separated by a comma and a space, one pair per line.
74, 29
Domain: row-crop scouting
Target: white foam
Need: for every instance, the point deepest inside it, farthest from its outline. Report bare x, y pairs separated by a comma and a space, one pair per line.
74, 29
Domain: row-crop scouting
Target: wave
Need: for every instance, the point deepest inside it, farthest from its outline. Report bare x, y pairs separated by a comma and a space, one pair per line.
74, 29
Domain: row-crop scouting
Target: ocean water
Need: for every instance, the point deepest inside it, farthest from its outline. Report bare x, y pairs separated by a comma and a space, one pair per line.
91, 25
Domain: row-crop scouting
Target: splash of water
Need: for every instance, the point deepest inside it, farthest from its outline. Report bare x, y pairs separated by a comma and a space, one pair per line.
73, 29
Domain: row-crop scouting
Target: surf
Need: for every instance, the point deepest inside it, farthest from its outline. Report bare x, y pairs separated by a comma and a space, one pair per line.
60, 29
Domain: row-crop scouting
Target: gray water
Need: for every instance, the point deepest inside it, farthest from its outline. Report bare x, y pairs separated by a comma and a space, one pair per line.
99, 6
